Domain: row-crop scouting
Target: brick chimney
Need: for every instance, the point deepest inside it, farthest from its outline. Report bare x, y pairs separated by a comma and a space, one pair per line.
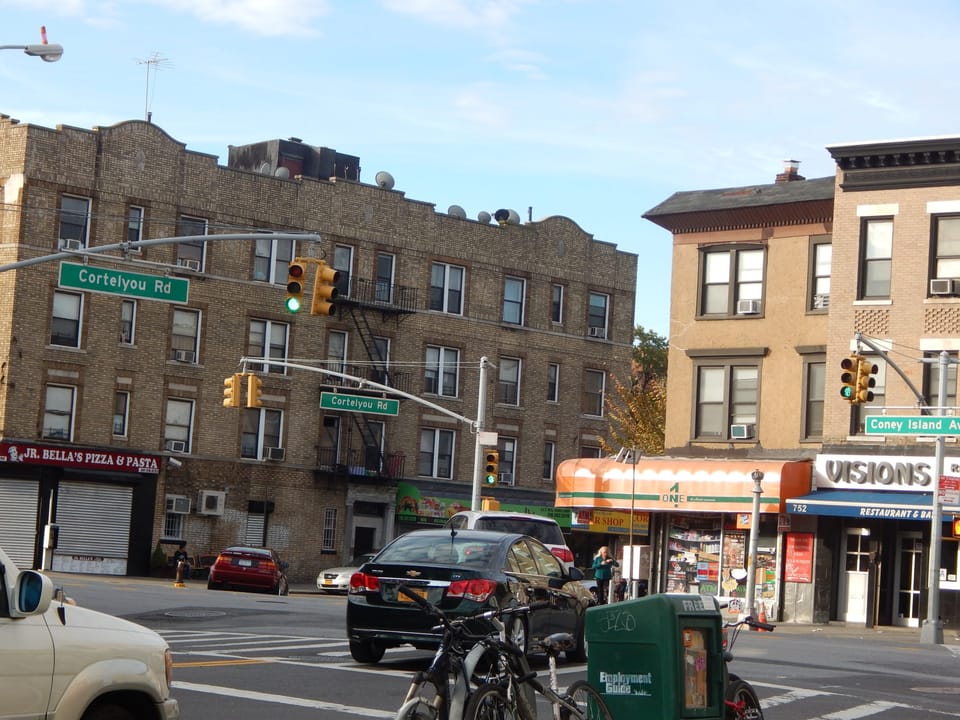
789, 173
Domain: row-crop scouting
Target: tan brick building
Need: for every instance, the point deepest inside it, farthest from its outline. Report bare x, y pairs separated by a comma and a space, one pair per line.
111, 391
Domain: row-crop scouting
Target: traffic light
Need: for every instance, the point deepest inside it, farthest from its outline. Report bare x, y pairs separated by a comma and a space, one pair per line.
254, 384
295, 278
848, 378
324, 290
491, 467
231, 390
866, 372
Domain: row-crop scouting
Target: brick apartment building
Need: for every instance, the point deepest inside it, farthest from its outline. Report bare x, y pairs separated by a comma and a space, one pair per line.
112, 365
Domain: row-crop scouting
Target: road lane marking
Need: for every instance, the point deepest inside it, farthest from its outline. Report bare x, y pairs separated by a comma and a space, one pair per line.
218, 663
284, 700
789, 697
861, 711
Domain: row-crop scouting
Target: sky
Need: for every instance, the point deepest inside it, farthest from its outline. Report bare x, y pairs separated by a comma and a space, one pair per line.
596, 110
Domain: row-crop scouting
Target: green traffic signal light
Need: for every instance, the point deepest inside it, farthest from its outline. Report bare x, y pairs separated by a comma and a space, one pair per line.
491, 468
294, 300
848, 378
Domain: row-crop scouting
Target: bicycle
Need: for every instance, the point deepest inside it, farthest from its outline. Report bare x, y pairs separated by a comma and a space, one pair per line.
740, 699
441, 691
506, 699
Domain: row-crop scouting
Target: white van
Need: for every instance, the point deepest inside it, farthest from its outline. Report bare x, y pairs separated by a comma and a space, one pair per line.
64, 662
544, 529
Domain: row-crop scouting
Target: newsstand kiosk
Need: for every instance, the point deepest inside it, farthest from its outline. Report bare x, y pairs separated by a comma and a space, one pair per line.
658, 657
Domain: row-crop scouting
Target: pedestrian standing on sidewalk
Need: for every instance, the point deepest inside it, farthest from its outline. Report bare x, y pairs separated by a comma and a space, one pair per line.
603, 565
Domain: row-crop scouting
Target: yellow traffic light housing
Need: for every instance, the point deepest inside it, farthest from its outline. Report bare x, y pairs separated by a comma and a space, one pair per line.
254, 385
296, 276
491, 467
231, 390
848, 378
866, 380
324, 290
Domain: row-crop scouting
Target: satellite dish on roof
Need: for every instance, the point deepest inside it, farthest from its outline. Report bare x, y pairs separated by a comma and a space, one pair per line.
513, 217
483, 216
501, 216
384, 180
264, 168
282, 173
457, 212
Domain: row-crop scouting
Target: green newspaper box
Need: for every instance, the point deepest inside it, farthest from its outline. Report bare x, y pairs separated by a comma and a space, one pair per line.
660, 656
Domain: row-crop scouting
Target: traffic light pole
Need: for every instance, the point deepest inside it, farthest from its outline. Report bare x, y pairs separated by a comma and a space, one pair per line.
931, 632
478, 446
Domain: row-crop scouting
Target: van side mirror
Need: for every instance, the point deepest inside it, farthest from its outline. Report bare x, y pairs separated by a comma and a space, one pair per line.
33, 592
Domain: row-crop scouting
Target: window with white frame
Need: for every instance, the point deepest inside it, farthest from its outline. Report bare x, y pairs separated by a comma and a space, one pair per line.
514, 291
508, 381
65, 321
729, 276
336, 351
343, 264
190, 253
384, 277
134, 226
946, 247
121, 411
821, 259
185, 335
446, 288
553, 382
876, 258
441, 371
268, 339
380, 372
815, 376
594, 383
931, 380
74, 220
58, 412
173, 526
549, 459
259, 430
328, 542
556, 303
178, 424
590, 451
507, 446
726, 394
128, 321
435, 458
271, 258
597, 308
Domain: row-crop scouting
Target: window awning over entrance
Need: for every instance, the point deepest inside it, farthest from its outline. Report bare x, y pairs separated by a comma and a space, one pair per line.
866, 504
679, 484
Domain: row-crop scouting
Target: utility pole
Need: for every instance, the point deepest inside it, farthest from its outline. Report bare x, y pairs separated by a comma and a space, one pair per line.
931, 632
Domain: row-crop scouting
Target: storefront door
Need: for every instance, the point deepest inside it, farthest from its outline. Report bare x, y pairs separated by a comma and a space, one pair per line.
857, 574
909, 574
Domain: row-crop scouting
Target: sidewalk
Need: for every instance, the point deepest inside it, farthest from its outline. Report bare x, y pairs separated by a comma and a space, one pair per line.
951, 636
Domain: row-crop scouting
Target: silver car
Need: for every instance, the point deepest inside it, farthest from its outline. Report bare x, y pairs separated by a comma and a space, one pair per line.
337, 579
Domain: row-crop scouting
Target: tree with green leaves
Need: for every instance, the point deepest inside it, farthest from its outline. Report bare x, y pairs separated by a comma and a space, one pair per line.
637, 408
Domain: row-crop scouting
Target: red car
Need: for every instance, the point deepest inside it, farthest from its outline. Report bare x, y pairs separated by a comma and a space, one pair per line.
249, 568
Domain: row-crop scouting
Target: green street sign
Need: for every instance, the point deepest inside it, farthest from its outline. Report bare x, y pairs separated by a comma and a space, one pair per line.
118, 282
359, 403
912, 425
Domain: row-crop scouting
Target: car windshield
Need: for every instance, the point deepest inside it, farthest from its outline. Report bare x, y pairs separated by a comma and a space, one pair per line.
412, 549
545, 532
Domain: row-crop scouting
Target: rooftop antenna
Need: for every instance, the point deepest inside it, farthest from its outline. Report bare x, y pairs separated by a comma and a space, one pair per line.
153, 63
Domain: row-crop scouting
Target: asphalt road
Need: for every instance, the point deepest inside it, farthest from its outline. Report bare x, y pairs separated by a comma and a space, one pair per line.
242, 656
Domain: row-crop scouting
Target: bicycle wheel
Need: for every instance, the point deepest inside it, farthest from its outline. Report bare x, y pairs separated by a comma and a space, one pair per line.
587, 703
742, 702
418, 709
490, 702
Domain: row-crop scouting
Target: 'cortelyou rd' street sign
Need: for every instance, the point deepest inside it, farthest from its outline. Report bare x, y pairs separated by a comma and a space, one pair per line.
119, 282
359, 403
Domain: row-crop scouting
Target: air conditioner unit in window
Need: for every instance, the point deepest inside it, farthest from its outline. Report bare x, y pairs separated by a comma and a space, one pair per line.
177, 446
179, 504
943, 286
189, 264
70, 244
598, 332
211, 502
748, 307
821, 302
742, 431
505, 478
274, 453
185, 356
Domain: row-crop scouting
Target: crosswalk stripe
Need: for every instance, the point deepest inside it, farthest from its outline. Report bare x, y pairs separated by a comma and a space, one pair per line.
861, 711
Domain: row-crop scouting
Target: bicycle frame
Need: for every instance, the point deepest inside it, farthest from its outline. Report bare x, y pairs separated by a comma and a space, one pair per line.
740, 699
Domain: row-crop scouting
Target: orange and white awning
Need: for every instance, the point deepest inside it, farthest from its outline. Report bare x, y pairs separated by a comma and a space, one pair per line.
680, 484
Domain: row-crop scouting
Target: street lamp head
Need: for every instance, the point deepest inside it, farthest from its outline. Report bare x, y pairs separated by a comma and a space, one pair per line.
757, 475
46, 52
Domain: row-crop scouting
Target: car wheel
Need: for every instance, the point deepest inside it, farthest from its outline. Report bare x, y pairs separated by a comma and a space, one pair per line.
282, 588
517, 633
108, 711
211, 585
580, 653
367, 651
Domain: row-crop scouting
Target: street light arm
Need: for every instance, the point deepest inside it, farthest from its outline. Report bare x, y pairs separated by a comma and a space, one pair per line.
48, 52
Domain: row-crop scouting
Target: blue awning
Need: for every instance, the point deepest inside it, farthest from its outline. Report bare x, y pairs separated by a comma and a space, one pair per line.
867, 504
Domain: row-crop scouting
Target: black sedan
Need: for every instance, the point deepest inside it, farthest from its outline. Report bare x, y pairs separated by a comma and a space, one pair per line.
461, 572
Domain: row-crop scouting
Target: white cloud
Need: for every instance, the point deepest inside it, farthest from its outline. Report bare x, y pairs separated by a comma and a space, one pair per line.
485, 14
263, 17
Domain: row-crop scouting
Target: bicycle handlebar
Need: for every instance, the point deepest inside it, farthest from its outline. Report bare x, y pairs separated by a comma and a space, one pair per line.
751, 622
